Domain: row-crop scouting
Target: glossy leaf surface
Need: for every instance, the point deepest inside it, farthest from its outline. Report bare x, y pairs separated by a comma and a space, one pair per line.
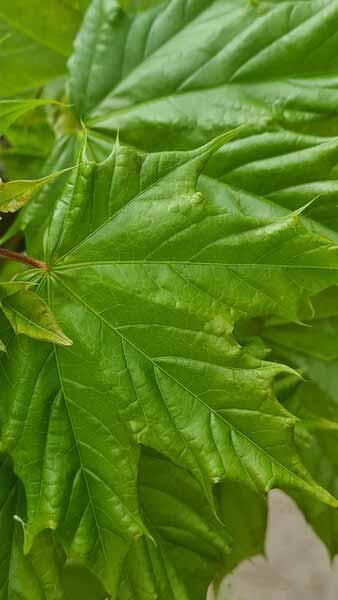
148, 277
161, 418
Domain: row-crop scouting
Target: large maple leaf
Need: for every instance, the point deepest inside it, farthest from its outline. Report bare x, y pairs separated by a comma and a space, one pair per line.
148, 276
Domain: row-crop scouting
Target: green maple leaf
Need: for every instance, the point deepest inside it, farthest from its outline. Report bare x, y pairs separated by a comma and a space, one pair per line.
269, 66
317, 436
313, 350
195, 69
286, 154
35, 41
190, 543
26, 146
11, 110
36, 576
148, 277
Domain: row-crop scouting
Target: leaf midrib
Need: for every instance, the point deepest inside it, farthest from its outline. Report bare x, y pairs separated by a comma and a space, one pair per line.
62, 267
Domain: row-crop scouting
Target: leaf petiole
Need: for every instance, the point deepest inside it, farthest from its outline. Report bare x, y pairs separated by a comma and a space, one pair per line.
23, 258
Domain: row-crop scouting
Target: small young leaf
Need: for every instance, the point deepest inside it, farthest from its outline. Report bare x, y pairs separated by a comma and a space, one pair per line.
15, 194
30, 315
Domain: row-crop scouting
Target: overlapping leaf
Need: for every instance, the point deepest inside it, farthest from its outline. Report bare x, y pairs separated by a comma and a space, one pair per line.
26, 146
313, 350
184, 72
11, 110
15, 571
268, 66
35, 41
318, 444
21, 576
191, 546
